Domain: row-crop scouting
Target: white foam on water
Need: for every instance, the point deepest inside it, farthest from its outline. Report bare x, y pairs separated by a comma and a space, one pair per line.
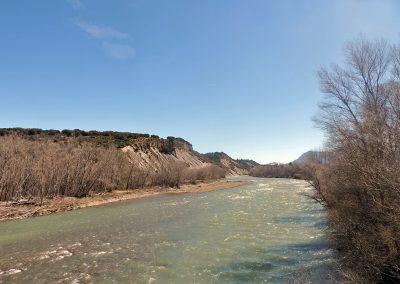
179, 203
238, 197
43, 256
62, 254
13, 271
265, 189
57, 254
233, 237
98, 253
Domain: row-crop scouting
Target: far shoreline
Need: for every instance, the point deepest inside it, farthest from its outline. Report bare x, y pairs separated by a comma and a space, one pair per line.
9, 211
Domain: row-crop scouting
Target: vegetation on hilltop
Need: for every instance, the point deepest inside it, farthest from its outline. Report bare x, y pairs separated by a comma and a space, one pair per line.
102, 138
232, 166
246, 163
217, 157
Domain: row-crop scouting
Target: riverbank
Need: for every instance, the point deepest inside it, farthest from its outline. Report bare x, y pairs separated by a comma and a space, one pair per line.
10, 211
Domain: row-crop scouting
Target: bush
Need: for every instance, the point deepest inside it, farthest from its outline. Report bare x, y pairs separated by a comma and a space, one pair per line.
45, 169
279, 171
360, 185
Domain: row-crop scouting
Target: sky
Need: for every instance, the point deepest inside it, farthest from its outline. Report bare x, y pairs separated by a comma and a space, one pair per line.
226, 75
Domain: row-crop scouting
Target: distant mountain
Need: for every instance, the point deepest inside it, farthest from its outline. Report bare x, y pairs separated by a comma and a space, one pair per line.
247, 164
321, 156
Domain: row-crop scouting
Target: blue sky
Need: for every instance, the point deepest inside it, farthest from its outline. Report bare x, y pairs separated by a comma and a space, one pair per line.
226, 75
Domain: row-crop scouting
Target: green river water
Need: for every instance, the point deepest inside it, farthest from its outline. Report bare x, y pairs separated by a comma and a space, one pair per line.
266, 232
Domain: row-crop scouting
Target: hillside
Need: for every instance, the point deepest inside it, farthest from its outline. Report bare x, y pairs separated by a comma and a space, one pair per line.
247, 164
232, 167
147, 152
320, 156
154, 153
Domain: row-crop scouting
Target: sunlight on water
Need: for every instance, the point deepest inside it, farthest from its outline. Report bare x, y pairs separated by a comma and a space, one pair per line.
266, 232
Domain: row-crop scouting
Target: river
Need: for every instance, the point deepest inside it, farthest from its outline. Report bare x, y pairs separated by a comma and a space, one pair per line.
265, 232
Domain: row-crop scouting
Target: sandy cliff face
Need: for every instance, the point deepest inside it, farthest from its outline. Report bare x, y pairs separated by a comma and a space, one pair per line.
154, 153
153, 158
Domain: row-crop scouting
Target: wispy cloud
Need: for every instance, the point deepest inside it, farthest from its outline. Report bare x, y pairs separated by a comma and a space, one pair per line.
101, 32
119, 51
107, 36
76, 4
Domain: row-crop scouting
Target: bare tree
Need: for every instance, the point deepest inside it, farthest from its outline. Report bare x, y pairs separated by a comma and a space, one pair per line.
360, 185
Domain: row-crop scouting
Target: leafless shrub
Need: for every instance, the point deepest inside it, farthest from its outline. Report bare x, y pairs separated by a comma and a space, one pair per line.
207, 173
360, 185
175, 174
46, 169
171, 175
136, 177
278, 171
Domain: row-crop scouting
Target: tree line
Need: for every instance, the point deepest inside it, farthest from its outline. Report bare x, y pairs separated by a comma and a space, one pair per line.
102, 138
291, 170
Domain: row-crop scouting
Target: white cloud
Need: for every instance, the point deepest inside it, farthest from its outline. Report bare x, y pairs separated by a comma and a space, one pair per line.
107, 36
101, 32
76, 4
119, 51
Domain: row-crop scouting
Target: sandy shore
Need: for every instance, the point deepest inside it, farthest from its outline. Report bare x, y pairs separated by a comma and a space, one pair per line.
13, 212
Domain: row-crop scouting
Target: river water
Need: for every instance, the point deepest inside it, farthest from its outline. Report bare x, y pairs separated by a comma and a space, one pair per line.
266, 232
